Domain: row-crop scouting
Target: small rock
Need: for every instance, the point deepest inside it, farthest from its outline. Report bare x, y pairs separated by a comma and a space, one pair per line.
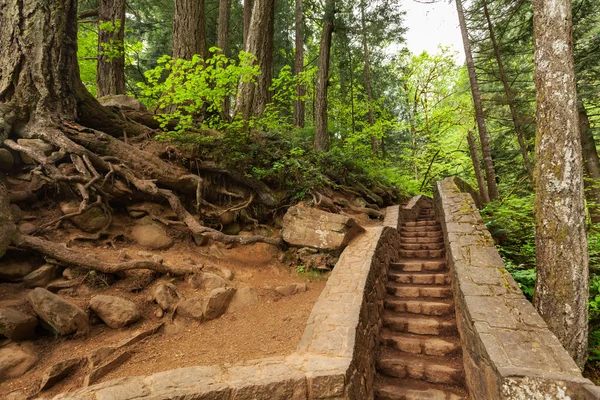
61, 316
17, 214
157, 259
145, 254
116, 312
16, 325
41, 276
216, 302
16, 359
292, 289
192, 308
27, 228
211, 281
243, 297
91, 220
62, 284
123, 255
69, 274
136, 214
58, 371
282, 257
122, 101
150, 235
165, 295
6, 160
159, 312
36, 144
227, 274
99, 356
215, 251
15, 269
105, 369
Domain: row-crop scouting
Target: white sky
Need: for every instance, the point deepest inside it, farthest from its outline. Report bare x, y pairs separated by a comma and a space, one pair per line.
430, 25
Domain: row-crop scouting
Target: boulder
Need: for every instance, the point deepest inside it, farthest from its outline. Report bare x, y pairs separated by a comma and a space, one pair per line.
36, 144
227, 274
27, 228
192, 308
165, 295
16, 359
243, 298
91, 220
6, 160
59, 315
41, 276
15, 269
292, 289
17, 214
309, 227
122, 101
150, 235
58, 371
116, 312
210, 281
16, 325
216, 303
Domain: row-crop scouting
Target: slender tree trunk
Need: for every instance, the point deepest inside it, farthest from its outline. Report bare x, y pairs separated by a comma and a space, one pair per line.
592, 165
189, 29
488, 162
299, 106
110, 77
562, 284
483, 193
252, 98
510, 98
322, 134
248, 6
222, 38
369, 86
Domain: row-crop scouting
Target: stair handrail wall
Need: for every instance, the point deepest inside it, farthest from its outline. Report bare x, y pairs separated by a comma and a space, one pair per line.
508, 350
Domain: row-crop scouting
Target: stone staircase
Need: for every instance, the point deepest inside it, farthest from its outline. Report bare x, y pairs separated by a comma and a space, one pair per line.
420, 355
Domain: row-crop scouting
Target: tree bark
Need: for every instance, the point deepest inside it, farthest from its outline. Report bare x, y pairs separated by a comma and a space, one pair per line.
248, 6
222, 38
110, 78
253, 97
321, 143
369, 86
592, 165
483, 193
299, 106
488, 162
189, 29
510, 98
562, 284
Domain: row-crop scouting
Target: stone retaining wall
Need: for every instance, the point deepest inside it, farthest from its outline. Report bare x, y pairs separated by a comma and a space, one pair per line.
395, 216
508, 351
334, 360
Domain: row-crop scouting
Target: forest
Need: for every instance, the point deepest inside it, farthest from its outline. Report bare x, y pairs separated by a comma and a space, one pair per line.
241, 109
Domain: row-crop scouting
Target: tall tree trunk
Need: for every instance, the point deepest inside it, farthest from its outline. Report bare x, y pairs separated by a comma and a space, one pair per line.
592, 165
252, 97
483, 193
369, 87
510, 98
110, 77
322, 134
189, 29
299, 106
562, 285
248, 6
488, 162
222, 38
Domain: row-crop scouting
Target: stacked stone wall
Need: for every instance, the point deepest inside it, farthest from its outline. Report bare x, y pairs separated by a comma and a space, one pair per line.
508, 351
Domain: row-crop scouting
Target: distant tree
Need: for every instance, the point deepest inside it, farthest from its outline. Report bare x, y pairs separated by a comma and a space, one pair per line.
110, 77
322, 140
189, 29
299, 106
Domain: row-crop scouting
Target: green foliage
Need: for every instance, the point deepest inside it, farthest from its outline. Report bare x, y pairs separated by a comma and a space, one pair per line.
113, 49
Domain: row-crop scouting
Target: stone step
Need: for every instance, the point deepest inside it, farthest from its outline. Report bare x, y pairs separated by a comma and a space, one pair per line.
409, 240
422, 246
421, 253
431, 234
419, 278
416, 291
410, 389
427, 228
419, 324
429, 369
419, 265
437, 307
439, 346
422, 222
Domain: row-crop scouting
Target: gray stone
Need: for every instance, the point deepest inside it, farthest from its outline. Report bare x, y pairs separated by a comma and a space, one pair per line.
16, 359
16, 325
291, 289
61, 316
191, 308
210, 281
58, 372
91, 220
216, 302
309, 227
41, 276
150, 235
35, 144
6, 160
165, 294
116, 312
122, 101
